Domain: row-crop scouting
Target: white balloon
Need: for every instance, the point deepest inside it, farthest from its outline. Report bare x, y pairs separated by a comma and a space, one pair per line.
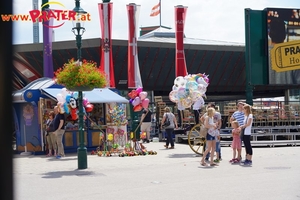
64, 92
178, 80
60, 98
201, 88
201, 80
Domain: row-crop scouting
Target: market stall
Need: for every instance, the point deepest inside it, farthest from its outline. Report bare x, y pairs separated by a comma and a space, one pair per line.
33, 103
99, 119
30, 106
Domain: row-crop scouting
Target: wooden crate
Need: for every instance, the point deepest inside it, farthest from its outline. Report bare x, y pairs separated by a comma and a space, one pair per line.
158, 99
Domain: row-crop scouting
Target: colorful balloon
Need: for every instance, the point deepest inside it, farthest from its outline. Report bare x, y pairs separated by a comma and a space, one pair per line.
192, 85
182, 93
195, 95
202, 81
174, 87
85, 101
139, 90
143, 95
201, 88
173, 96
89, 107
187, 102
145, 103
178, 80
132, 94
75, 95
137, 108
110, 137
136, 101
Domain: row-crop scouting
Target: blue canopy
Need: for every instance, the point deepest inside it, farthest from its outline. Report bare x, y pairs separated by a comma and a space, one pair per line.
98, 95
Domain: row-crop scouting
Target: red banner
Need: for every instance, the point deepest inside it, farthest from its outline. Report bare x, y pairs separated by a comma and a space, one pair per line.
134, 75
180, 66
105, 13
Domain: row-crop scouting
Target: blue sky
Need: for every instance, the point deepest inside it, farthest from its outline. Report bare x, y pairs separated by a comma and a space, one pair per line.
210, 19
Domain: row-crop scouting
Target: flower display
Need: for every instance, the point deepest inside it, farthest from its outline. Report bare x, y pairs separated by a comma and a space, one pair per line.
76, 74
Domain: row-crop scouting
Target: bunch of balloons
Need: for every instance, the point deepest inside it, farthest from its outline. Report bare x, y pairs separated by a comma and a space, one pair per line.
138, 99
117, 114
68, 103
189, 89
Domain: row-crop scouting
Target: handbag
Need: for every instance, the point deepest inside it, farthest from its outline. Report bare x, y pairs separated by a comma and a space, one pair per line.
50, 127
167, 122
242, 133
203, 131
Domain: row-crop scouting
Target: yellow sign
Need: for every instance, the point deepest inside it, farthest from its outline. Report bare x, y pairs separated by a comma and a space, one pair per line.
286, 56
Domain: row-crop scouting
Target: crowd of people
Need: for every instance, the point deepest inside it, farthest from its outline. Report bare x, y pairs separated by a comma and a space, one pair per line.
241, 123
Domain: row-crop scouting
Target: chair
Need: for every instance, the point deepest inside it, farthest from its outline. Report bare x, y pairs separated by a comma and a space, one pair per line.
284, 117
187, 118
272, 117
261, 118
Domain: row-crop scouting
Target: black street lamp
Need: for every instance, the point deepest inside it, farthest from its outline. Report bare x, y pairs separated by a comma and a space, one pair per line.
78, 30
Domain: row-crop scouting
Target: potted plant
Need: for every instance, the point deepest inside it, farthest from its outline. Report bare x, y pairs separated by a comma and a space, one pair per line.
80, 76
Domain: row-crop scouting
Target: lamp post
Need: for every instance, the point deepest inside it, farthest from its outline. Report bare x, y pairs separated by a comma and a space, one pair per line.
78, 30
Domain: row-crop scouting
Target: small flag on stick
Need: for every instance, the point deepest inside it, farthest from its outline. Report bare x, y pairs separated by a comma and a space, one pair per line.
155, 10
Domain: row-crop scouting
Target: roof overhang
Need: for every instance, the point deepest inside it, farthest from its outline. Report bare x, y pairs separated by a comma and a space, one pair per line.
97, 95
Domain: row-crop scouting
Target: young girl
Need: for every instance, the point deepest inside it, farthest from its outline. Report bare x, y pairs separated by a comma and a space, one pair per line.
210, 136
236, 142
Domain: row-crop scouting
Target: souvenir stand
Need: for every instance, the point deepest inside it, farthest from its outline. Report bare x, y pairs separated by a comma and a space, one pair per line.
116, 126
97, 118
30, 108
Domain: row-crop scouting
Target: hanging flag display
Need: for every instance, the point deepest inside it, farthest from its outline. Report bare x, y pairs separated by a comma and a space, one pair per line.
134, 75
105, 13
180, 65
155, 10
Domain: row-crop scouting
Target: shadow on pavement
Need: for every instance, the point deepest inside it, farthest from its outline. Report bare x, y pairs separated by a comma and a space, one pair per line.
60, 174
186, 155
61, 159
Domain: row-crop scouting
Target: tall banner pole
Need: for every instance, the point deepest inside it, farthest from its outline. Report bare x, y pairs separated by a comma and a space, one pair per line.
180, 65
48, 70
134, 75
105, 14
159, 13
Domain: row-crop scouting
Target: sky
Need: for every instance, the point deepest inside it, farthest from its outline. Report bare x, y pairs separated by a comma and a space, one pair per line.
221, 20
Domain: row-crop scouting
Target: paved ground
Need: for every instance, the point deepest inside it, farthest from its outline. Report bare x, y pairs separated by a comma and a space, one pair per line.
171, 174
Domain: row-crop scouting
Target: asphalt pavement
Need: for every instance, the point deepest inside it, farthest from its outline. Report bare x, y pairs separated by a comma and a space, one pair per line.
173, 174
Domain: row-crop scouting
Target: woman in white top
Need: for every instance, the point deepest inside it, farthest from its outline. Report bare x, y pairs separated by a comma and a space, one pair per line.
248, 119
210, 136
